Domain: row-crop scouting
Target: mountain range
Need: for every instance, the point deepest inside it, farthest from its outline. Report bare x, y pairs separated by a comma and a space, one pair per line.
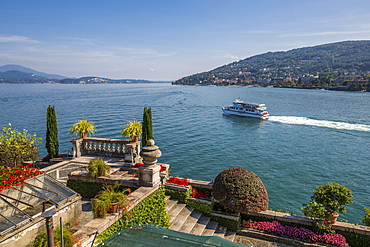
12, 73
13, 70
328, 61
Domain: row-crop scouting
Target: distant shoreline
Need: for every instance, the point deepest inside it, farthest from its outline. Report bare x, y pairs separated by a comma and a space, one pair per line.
347, 89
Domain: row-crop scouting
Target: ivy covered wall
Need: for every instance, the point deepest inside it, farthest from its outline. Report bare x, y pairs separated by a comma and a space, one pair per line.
151, 210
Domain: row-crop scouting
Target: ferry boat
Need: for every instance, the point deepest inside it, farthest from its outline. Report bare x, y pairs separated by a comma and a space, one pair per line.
245, 109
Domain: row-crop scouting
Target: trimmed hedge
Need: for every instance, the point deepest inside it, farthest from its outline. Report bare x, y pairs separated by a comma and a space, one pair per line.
85, 189
201, 207
182, 196
232, 223
152, 210
356, 240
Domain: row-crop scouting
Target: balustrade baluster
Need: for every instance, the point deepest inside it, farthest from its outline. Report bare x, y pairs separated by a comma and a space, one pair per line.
104, 147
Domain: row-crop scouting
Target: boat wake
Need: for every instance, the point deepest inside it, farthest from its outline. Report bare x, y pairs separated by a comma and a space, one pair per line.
320, 123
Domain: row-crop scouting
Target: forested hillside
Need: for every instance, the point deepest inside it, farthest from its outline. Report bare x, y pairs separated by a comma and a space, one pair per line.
318, 66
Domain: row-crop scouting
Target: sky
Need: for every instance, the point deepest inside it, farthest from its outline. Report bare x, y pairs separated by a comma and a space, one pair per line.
165, 40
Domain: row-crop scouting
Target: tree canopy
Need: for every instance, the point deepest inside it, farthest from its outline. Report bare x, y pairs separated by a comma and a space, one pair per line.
328, 60
17, 147
52, 144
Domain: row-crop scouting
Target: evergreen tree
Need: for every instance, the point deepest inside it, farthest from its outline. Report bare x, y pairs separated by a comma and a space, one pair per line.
52, 144
147, 125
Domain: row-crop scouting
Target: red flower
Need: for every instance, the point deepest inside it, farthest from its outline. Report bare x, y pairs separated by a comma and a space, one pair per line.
163, 168
15, 176
200, 194
178, 181
138, 164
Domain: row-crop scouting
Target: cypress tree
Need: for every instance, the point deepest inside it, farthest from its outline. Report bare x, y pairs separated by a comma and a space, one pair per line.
52, 144
147, 125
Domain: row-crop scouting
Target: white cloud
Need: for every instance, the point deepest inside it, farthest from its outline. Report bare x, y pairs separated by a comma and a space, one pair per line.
12, 39
257, 32
326, 33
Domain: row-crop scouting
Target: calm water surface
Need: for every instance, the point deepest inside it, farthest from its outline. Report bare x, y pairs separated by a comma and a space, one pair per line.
313, 136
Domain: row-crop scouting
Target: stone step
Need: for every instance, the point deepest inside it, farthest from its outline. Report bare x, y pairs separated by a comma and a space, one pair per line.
230, 235
170, 203
175, 210
210, 228
220, 231
181, 218
185, 219
190, 222
200, 225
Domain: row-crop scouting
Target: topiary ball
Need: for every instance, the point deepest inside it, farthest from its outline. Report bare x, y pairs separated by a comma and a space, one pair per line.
240, 190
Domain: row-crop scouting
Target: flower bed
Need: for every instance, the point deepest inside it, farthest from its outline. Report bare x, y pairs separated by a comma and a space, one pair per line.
200, 193
10, 176
178, 181
300, 233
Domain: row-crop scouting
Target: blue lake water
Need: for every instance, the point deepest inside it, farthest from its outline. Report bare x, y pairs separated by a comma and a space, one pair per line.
312, 137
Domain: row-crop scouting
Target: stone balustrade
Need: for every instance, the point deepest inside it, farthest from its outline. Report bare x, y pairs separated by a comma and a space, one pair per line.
118, 148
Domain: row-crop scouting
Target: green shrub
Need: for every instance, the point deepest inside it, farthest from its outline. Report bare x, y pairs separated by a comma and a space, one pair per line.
97, 168
314, 210
85, 189
356, 240
333, 197
41, 240
232, 222
366, 218
16, 147
106, 197
179, 195
240, 190
199, 206
68, 238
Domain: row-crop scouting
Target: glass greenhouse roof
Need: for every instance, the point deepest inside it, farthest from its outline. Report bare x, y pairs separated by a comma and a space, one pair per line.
19, 204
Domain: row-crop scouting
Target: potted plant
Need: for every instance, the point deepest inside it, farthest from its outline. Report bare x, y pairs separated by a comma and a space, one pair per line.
109, 200
132, 130
97, 168
314, 210
333, 197
82, 128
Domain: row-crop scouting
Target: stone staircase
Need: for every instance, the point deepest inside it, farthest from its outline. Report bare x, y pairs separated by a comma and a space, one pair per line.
185, 219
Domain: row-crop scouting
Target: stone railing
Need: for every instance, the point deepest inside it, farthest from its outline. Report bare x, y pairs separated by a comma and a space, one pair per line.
106, 147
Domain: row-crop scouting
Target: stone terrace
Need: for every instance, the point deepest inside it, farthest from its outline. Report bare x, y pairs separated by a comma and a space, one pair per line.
182, 218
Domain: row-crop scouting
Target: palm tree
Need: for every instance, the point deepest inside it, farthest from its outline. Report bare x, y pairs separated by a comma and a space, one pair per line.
132, 129
82, 128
